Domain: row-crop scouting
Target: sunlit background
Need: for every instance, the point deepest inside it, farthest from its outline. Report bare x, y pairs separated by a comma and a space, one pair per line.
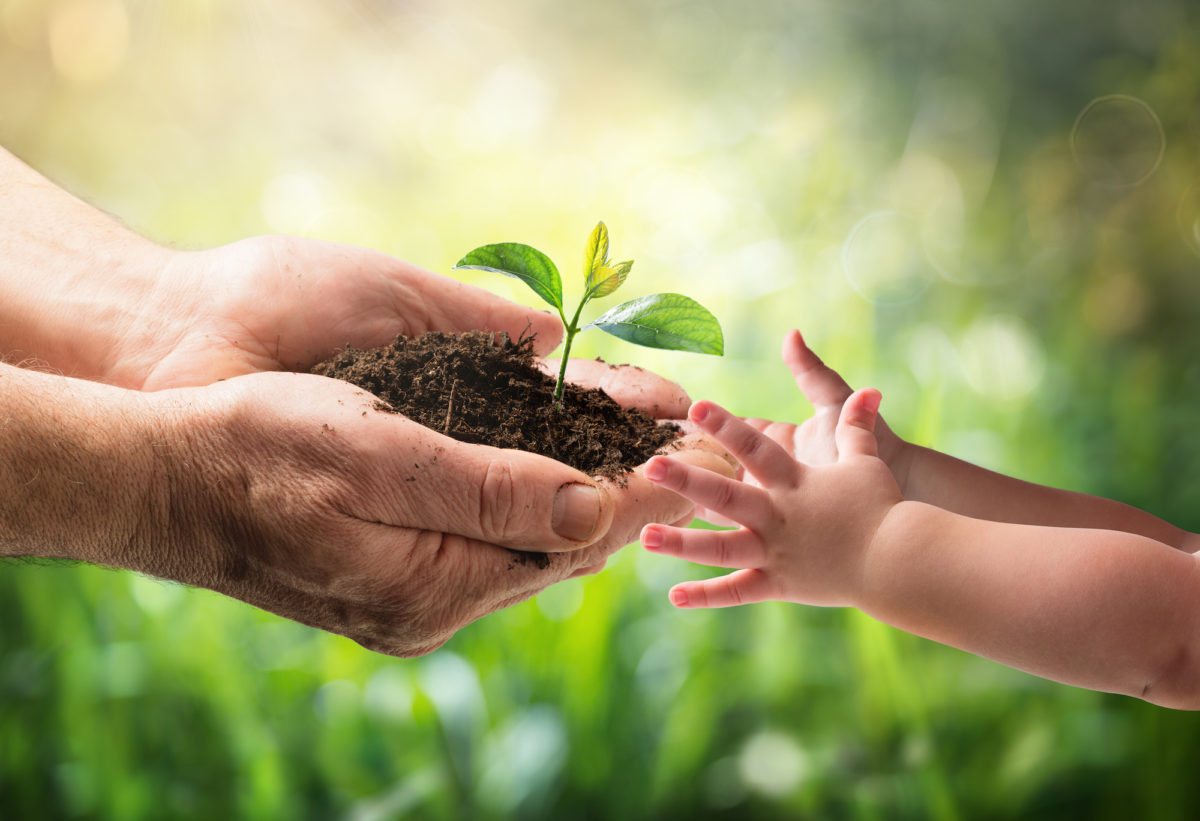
989, 210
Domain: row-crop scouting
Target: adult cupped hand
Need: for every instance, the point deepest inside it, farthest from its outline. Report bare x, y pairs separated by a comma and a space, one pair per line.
275, 303
285, 303
294, 493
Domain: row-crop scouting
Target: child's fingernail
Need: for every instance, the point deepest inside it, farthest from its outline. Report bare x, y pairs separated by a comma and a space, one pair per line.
656, 470
699, 413
652, 538
871, 401
679, 597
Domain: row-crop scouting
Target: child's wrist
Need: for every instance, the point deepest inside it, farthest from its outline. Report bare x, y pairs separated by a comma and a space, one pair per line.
899, 456
899, 526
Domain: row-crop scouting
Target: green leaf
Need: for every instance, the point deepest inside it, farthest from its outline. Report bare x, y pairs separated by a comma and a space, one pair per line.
671, 321
514, 259
595, 253
607, 279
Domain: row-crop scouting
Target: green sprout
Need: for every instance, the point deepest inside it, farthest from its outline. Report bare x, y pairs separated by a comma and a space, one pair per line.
670, 321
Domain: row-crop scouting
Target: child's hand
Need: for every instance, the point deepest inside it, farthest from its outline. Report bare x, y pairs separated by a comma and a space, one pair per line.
813, 441
804, 529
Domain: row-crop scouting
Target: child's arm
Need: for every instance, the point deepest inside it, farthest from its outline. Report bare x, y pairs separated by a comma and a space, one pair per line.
1107, 610
925, 475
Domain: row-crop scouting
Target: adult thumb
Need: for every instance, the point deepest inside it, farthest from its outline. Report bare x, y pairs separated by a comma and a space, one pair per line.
855, 432
509, 498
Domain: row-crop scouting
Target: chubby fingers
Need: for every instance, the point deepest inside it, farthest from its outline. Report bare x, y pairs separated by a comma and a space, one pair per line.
718, 548
757, 453
639, 500
739, 587
822, 386
855, 432
735, 500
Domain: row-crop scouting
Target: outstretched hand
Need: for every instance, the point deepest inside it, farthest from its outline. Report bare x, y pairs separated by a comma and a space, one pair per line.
804, 530
813, 442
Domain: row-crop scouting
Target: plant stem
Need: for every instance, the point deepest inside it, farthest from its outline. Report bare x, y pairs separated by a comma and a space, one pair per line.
570, 331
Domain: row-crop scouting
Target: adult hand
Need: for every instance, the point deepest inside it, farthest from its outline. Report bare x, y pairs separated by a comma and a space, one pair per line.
284, 303
293, 493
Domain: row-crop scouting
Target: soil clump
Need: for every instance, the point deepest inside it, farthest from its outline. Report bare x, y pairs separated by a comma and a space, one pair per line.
483, 389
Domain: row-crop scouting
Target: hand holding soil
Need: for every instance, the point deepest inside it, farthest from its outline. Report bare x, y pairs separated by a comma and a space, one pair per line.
294, 493
289, 491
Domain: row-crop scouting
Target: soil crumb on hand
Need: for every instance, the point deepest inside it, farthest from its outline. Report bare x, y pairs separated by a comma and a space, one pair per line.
481, 390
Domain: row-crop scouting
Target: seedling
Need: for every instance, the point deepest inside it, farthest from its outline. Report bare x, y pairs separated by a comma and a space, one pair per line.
670, 321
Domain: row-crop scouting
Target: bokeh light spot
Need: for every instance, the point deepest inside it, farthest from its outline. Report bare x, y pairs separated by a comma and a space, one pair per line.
389, 694
1001, 358
1117, 141
89, 39
883, 259
561, 601
1189, 216
524, 758
772, 763
292, 203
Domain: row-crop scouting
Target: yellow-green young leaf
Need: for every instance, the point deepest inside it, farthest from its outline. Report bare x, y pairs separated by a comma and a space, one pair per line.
607, 279
595, 254
671, 321
514, 259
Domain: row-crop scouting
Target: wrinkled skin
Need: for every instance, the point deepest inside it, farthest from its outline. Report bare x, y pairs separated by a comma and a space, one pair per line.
291, 492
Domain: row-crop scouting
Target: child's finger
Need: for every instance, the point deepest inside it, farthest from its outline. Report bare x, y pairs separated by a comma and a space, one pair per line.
741, 502
760, 455
740, 587
718, 548
821, 385
855, 432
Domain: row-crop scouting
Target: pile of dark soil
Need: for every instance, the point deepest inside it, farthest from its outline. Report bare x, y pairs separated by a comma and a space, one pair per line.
478, 390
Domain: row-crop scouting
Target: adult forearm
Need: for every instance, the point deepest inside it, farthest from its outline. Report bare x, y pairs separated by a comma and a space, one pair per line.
1100, 609
960, 487
77, 469
75, 285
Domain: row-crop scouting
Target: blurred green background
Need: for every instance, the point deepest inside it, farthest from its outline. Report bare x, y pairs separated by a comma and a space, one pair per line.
988, 209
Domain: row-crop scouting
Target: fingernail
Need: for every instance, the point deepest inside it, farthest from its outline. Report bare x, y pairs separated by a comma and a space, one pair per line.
656, 470
652, 538
679, 597
699, 412
871, 401
576, 511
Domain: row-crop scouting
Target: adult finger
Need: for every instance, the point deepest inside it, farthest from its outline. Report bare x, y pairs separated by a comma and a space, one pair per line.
590, 570
740, 587
855, 432
432, 302
628, 385
821, 385
765, 459
506, 497
718, 548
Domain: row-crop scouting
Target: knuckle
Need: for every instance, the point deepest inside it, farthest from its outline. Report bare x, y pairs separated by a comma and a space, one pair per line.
750, 443
498, 508
722, 551
725, 492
